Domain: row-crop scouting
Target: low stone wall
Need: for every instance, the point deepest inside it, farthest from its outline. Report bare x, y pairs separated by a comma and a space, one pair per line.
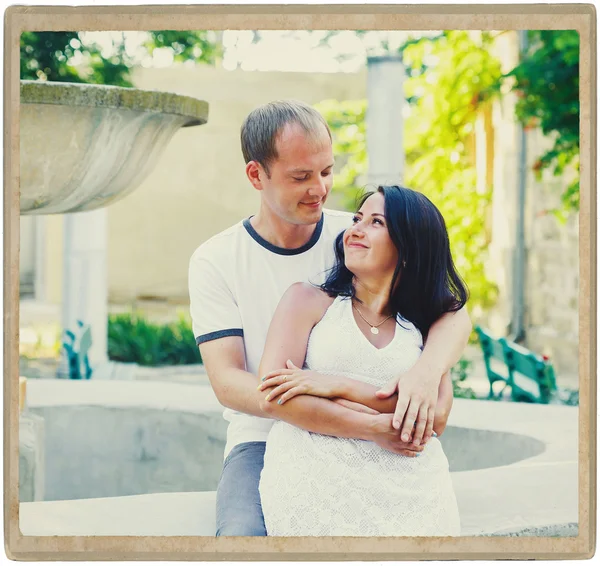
104, 440
158, 514
99, 451
514, 466
113, 438
177, 514
96, 451
32, 473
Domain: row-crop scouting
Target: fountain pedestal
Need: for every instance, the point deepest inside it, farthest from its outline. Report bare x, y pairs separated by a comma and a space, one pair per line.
85, 293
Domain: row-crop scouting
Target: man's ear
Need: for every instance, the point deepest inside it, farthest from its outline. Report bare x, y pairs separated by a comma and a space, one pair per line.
255, 173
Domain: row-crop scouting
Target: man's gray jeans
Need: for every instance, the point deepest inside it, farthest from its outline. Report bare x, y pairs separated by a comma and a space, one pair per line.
239, 512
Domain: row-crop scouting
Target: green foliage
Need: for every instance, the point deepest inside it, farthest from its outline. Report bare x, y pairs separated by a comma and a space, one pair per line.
199, 46
346, 120
571, 397
133, 339
547, 83
446, 76
459, 373
65, 57
566, 396
48, 56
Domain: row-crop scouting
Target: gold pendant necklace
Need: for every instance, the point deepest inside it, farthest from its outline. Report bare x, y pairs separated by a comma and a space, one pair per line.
374, 327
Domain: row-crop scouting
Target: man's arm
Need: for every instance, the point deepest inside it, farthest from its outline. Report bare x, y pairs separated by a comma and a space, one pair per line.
444, 404
236, 389
365, 394
286, 384
418, 387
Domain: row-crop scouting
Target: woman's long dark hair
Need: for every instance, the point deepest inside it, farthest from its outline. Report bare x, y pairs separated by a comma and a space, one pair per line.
429, 285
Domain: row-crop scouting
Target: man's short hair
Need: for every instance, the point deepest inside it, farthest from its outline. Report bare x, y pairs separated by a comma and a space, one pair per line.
262, 126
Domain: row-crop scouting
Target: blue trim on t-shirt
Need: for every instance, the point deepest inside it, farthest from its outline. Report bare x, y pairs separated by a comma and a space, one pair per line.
285, 251
219, 334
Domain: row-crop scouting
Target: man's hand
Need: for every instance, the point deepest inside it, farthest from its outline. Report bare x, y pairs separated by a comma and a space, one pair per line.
386, 436
415, 409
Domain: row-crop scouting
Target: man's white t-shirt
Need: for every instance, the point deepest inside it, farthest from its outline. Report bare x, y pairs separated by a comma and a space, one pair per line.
236, 280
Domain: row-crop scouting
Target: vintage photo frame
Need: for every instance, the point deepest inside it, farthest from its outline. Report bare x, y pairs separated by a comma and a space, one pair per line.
580, 17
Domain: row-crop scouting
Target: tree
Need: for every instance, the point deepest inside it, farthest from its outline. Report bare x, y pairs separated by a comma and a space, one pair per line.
547, 84
446, 75
451, 77
67, 57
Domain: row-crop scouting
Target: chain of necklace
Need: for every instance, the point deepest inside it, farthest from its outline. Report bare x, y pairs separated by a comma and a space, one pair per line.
374, 327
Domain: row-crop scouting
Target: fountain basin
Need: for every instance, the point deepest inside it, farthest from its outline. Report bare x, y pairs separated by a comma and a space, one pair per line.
134, 447
84, 146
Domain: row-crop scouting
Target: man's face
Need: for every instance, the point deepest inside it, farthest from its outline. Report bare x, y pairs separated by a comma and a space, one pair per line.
300, 178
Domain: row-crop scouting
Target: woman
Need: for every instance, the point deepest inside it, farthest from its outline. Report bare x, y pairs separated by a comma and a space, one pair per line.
394, 277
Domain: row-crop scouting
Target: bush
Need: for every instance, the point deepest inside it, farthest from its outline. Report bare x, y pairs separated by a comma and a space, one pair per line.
459, 373
133, 339
566, 396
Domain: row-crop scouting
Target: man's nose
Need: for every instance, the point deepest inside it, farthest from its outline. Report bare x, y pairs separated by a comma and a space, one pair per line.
319, 188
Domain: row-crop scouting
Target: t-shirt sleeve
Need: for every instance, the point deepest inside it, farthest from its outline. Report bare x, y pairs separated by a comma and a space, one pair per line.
213, 308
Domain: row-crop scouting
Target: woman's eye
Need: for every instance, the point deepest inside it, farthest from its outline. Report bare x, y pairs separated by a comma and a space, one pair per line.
355, 219
301, 178
378, 221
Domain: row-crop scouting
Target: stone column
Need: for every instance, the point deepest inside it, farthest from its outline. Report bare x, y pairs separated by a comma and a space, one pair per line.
85, 294
32, 471
500, 266
39, 284
385, 101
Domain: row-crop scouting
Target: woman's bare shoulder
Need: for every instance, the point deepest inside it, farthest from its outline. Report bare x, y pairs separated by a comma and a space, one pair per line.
308, 300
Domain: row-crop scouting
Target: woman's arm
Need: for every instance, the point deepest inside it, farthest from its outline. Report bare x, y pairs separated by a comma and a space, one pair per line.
303, 382
300, 308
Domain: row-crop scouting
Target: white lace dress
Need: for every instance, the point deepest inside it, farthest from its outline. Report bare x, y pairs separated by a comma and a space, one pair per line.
317, 485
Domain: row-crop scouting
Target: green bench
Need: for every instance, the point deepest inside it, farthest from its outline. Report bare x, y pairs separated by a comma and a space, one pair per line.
530, 377
77, 345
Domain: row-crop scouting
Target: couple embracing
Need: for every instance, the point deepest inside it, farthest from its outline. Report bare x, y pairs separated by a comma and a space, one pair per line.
329, 337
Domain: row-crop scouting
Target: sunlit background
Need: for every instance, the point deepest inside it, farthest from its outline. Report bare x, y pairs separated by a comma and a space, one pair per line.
486, 125
285, 51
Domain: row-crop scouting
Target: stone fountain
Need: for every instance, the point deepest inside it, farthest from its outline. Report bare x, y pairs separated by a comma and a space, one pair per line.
84, 147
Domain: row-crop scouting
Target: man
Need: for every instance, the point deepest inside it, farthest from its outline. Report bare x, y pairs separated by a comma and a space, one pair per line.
236, 280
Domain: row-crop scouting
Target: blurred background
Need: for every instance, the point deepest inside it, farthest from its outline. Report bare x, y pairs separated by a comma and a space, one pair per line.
486, 124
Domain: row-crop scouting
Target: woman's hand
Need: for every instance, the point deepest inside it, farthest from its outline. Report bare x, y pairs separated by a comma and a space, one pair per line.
292, 381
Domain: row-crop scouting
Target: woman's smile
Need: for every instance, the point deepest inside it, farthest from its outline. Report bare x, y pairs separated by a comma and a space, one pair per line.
357, 245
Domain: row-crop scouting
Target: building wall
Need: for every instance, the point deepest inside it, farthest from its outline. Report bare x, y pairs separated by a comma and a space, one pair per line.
552, 277
551, 284
198, 187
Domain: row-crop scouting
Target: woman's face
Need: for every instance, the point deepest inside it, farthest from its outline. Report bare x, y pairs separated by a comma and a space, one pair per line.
368, 248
